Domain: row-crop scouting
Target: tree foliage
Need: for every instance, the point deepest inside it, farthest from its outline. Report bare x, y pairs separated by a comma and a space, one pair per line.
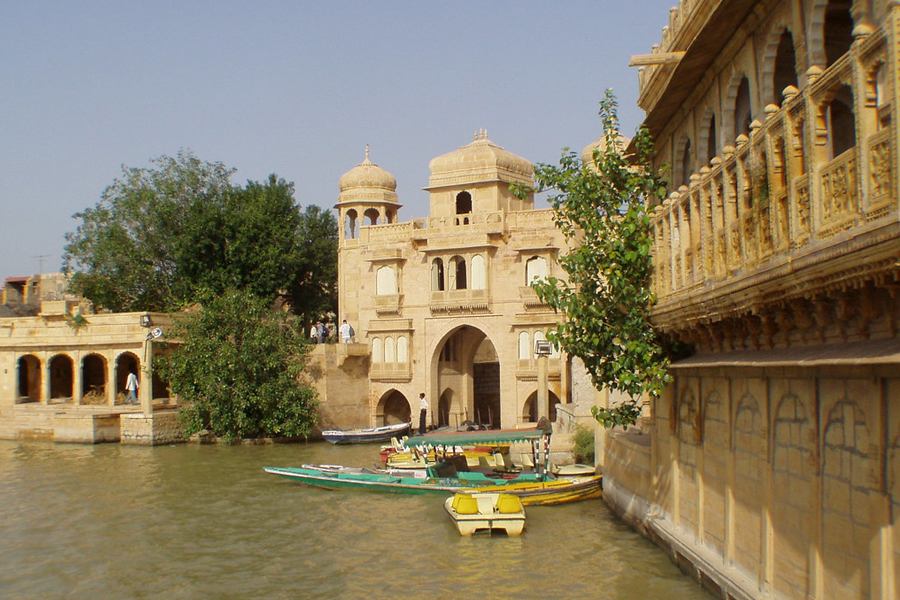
162, 237
602, 206
240, 367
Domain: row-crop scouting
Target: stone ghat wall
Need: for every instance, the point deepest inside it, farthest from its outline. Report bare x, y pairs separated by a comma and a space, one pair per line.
767, 482
156, 429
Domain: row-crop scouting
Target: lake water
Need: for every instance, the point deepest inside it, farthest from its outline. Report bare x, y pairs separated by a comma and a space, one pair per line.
190, 521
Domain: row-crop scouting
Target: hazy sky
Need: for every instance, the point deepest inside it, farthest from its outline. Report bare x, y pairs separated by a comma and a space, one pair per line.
296, 88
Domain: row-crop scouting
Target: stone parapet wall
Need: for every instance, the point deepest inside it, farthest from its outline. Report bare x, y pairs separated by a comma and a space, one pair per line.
779, 482
152, 430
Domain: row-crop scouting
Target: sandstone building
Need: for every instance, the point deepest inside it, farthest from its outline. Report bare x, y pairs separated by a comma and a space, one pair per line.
442, 305
771, 466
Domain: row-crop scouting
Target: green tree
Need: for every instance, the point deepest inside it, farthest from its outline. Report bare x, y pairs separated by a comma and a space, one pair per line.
314, 291
602, 206
239, 366
161, 238
124, 254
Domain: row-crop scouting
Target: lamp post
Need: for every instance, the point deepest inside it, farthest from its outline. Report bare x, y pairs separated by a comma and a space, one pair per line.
542, 349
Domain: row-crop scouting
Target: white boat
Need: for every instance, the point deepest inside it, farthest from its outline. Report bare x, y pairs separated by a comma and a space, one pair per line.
576, 470
359, 436
474, 512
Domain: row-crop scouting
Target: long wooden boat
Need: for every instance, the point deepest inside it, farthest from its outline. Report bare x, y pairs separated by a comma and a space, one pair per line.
452, 474
473, 513
360, 436
527, 486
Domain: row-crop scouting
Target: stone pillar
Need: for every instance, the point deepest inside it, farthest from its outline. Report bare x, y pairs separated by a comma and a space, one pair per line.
45, 380
145, 392
543, 397
77, 378
112, 380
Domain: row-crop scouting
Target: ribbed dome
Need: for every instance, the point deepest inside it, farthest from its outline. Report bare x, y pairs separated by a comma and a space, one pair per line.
480, 161
587, 155
367, 175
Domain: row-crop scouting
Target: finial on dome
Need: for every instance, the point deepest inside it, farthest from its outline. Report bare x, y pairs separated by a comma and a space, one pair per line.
481, 134
367, 154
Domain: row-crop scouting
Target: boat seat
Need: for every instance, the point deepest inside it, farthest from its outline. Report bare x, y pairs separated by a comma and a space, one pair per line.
485, 505
465, 504
483, 463
508, 504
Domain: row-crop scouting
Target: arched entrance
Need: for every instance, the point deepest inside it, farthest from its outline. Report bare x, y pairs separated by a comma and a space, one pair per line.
29, 379
444, 406
394, 408
530, 409
93, 379
126, 363
61, 377
468, 373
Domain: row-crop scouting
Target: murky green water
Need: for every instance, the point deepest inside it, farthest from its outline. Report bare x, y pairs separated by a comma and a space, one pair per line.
189, 521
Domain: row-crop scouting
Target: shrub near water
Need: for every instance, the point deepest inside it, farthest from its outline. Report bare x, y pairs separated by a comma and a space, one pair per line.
239, 367
583, 449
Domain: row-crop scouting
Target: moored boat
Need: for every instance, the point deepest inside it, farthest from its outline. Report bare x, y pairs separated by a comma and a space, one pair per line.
452, 474
361, 436
472, 513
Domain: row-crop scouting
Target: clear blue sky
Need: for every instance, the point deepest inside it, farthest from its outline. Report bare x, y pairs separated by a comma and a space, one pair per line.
296, 88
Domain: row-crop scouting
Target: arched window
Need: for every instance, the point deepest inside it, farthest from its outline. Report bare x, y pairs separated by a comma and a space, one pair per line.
686, 163
838, 30
538, 336
712, 149
554, 351
437, 275
458, 273
841, 123
785, 67
742, 110
402, 349
371, 216
536, 269
377, 350
385, 281
350, 229
463, 203
479, 277
389, 355
524, 346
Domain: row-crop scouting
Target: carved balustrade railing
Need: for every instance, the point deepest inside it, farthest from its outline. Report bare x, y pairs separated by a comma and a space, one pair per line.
788, 187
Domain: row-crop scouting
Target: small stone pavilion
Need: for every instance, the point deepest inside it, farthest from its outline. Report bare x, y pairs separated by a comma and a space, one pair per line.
63, 368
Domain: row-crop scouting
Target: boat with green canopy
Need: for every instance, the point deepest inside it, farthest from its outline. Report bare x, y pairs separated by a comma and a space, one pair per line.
452, 474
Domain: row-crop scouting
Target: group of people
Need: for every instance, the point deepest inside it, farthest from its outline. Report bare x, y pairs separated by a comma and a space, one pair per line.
319, 333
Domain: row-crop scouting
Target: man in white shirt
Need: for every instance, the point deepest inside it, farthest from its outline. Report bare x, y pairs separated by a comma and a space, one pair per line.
132, 385
423, 413
346, 332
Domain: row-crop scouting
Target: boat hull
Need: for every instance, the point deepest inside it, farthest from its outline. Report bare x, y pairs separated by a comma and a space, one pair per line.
484, 515
365, 436
531, 493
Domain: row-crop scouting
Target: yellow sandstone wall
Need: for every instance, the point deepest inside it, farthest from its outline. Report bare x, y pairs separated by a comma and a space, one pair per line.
777, 483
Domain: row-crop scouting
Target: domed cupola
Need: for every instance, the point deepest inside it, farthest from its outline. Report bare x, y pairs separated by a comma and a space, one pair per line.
482, 161
587, 155
368, 176
368, 196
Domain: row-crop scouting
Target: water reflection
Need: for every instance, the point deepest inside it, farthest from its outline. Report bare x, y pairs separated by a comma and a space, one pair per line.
192, 521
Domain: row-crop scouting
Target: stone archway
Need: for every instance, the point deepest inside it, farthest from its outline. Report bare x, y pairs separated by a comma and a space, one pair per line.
93, 379
126, 363
467, 369
530, 409
62, 380
29, 384
445, 405
394, 408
